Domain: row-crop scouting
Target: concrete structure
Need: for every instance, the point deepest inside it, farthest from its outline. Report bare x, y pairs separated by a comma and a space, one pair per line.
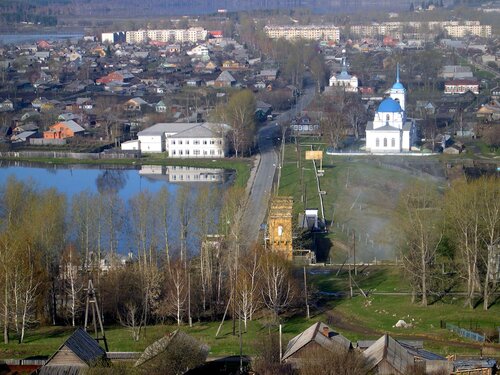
183, 140
461, 86
416, 29
315, 32
280, 226
390, 130
191, 35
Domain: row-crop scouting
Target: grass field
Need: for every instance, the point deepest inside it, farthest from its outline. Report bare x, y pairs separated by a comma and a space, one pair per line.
361, 196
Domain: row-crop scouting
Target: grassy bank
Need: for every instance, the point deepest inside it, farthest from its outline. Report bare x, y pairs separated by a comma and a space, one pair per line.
361, 194
240, 166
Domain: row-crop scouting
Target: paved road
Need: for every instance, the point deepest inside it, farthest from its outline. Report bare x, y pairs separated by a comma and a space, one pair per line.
263, 173
480, 66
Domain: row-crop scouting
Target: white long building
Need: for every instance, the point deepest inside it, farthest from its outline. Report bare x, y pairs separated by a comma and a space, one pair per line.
314, 32
455, 29
183, 140
193, 35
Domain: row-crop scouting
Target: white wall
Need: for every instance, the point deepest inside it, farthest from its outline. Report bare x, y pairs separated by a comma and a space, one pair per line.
196, 148
131, 145
152, 143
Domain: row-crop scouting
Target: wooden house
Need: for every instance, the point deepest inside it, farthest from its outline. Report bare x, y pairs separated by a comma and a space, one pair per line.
79, 352
318, 335
225, 79
388, 356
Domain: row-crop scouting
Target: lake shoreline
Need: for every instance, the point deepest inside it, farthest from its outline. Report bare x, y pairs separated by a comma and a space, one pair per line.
241, 166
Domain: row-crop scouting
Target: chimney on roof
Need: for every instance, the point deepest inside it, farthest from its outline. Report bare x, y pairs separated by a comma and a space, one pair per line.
326, 331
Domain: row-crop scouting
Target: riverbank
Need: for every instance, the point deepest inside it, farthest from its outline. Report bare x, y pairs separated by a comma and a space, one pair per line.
240, 166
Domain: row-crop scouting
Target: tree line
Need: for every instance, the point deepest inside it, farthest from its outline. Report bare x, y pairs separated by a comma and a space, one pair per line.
451, 240
50, 248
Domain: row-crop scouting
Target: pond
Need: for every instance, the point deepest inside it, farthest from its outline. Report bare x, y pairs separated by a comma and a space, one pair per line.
123, 185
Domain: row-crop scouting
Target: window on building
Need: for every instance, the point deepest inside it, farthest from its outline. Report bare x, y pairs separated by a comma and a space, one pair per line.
187, 142
180, 152
174, 152
212, 142
180, 142
393, 142
377, 142
196, 142
204, 152
212, 152
385, 142
196, 152
388, 117
187, 152
205, 142
173, 141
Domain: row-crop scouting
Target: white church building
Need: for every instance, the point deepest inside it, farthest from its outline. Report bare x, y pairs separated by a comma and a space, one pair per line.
344, 80
391, 131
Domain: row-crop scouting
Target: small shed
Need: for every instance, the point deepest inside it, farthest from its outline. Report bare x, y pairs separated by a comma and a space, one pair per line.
387, 356
79, 352
392, 357
317, 335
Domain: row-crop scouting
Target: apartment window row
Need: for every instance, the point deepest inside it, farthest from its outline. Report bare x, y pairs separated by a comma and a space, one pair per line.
197, 152
196, 142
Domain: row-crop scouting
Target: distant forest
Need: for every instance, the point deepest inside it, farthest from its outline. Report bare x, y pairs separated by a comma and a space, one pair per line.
46, 12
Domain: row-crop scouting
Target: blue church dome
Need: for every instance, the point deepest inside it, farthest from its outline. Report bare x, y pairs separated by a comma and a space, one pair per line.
389, 105
398, 86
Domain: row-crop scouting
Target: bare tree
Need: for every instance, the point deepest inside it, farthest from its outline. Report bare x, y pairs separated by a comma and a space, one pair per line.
277, 283
131, 318
419, 222
175, 303
463, 215
247, 288
72, 282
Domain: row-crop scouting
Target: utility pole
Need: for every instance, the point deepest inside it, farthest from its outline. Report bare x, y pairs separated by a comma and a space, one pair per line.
305, 291
350, 280
281, 347
354, 251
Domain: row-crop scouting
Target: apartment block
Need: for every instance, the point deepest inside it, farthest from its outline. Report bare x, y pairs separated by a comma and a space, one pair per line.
192, 35
314, 32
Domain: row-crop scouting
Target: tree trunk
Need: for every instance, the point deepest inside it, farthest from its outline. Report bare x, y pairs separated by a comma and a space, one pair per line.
424, 272
6, 312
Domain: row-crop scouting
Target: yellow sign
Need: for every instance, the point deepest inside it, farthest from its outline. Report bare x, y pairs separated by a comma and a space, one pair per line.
314, 155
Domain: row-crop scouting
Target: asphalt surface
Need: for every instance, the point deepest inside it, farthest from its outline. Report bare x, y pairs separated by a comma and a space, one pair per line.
264, 171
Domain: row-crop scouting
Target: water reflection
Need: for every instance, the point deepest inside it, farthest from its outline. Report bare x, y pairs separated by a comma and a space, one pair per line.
112, 197
183, 174
111, 181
